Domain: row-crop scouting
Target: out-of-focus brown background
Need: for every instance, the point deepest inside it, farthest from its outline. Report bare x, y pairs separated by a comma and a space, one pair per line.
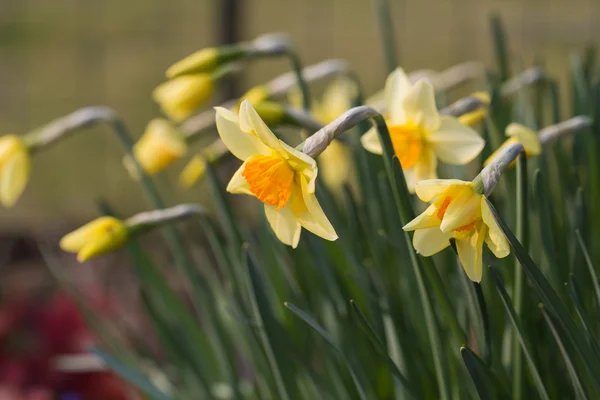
56, 56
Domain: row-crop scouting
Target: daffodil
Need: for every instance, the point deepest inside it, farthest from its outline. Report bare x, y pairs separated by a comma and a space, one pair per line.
160, 146
15, 165
419, 134
280, 176
475, 117
96, 238
205, 60
519, 134
182, 95
457, 211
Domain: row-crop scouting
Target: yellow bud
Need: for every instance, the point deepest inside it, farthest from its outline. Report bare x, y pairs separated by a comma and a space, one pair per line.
160, 146
15, 166
101, 236
192, 172
181, 96
204, 60
271, 112
475, 117
255, 95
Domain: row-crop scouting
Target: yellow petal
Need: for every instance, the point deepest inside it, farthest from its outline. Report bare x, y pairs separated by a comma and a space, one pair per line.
14, 175
455, 143
181, 96
241, 144
284, 224
429, 189
410, 178
419, 107
76, 240
251, 122
111, 240
192, 172
238, 184
470, 252
495, 239
302, 163
370, 141
527, 137
463, 210
427, 219
429, 241
426, 166
311, 216
397, 87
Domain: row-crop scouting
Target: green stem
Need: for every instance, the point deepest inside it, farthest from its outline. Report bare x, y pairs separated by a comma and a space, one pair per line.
302, 84
386, 32
518, 292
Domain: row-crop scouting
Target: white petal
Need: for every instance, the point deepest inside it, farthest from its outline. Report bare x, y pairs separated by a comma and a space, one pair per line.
241, 144
426, 166
312, 217
238, 184
397, 87
410, 178
370, 141
470, 254
495, 239
250, 121
464, 208
427, 219
14, 177
284, 224
429, 189
419, 106
527, 137
429, 241
455, 143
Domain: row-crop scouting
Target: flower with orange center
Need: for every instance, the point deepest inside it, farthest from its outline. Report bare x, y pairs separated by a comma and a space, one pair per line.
280, 176
419, 134
457, 211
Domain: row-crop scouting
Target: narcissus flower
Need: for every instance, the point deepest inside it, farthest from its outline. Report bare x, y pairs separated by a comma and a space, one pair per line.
160, 146
280, 176
419, 134
457, 211
96, 238
181, 96
204, 60
15, 165
519, 134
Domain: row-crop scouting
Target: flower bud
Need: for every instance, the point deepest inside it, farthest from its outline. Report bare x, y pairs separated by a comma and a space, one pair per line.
96, 238
181, 96
15, 165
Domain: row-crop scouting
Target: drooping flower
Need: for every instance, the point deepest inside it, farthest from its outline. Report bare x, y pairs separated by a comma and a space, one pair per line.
419, 134
160, 146
182, 95
96, 238
15, 166
475, 117
280, 176
457, 211
519, 134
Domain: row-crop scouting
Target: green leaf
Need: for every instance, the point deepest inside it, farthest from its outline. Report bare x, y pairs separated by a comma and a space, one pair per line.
325, 335
590, 265
499, 38
577, 386
381, 348
483, 378
574, 294
131, 375
515, 320
553, 303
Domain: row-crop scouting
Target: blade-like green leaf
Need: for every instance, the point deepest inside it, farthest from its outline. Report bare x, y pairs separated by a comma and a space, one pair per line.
583, 317
590, 265
553, 303
499, 39
515, 320
325, 335
381, 348
131, 375
483, 378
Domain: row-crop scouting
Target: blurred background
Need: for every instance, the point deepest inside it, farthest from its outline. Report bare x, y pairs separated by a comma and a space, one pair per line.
57, 56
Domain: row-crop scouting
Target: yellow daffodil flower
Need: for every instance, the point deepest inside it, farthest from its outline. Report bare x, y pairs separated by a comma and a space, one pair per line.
475, 117
15, 165
519, 134
419, 134
160, 146
457, 211
280, 176
96, 238
204, 60
181, 96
